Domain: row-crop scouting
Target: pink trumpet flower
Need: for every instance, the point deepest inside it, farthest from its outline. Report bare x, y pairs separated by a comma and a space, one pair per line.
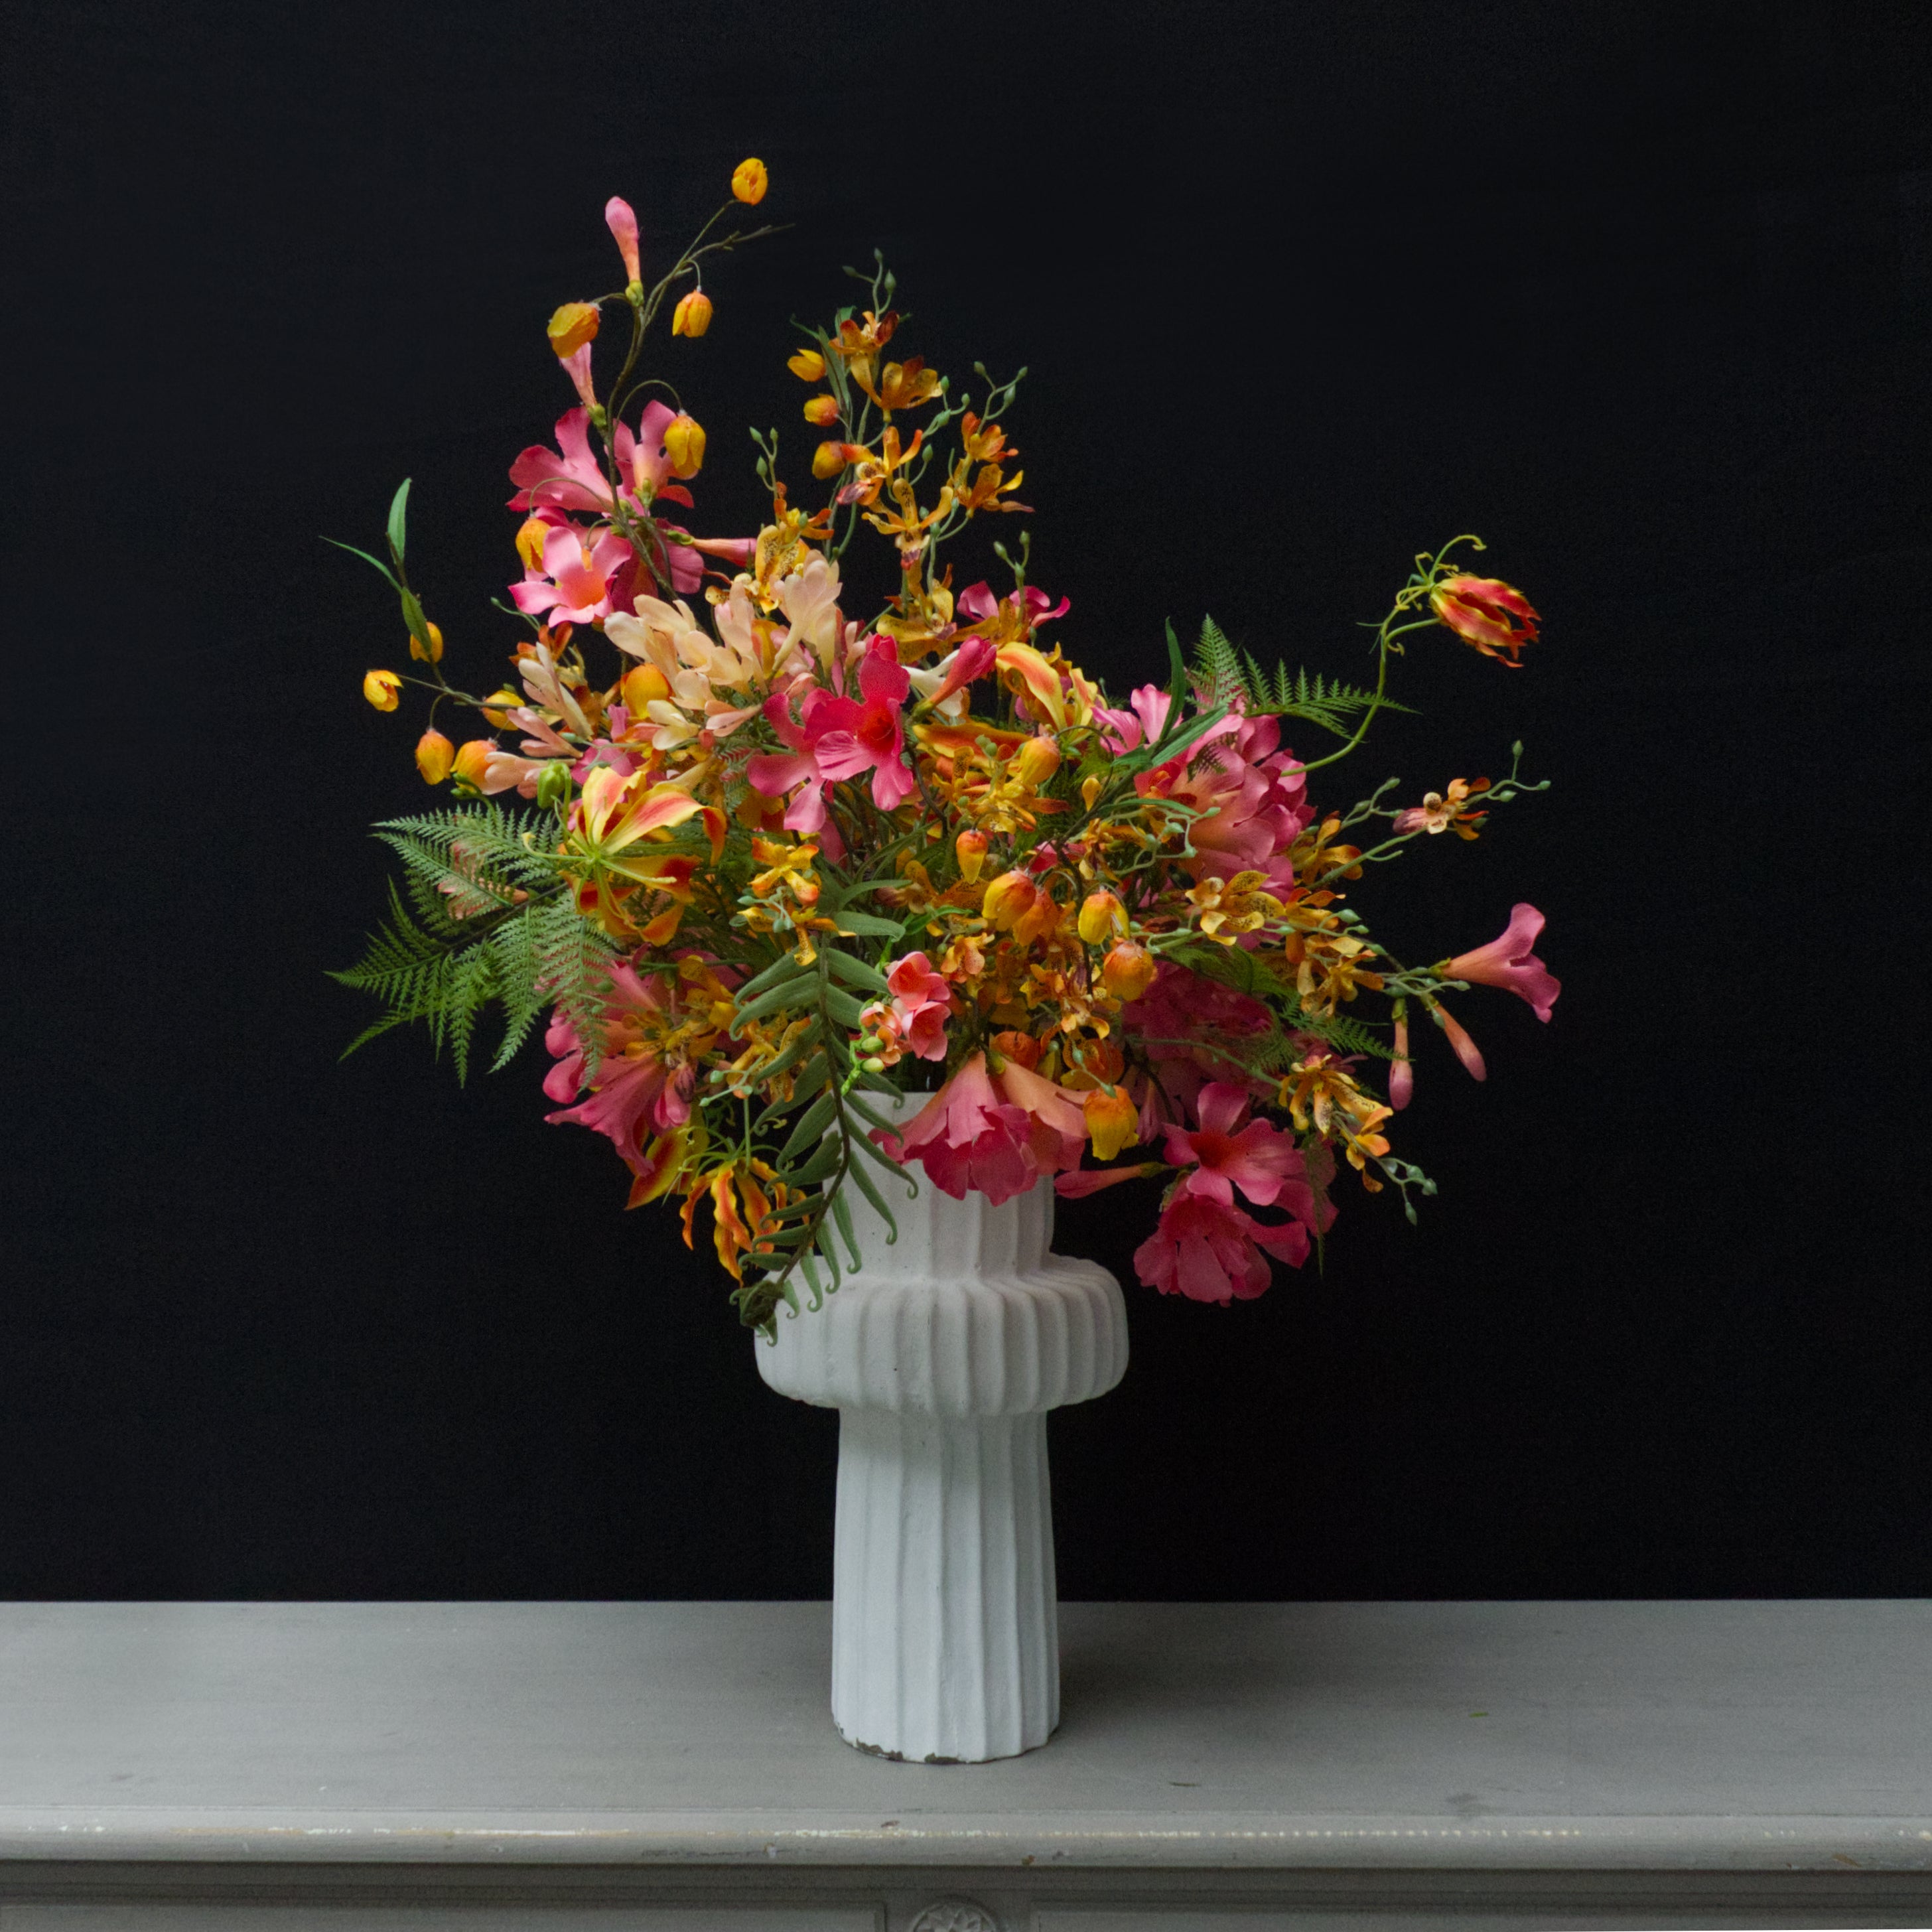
996, 1133
1508, 961
623, 226
1210, 1252
1259, 1159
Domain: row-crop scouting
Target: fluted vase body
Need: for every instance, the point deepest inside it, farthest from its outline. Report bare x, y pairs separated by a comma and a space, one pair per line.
943, 1355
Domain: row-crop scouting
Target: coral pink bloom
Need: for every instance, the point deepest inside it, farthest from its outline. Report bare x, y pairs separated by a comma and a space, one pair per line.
1252, 795
1210, 1252
578, 580
868, 733
996, 1135
922, 1003
1508, 961
634, 1094
1178, 1010
622, 223
1259, 1158
796, 776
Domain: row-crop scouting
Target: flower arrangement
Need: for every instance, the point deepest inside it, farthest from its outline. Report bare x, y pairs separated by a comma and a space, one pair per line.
771, 866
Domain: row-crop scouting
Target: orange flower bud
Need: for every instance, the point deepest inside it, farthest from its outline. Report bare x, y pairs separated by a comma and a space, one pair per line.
692, 315
498, 706
1008, 899
433, 653
381, 689
1128, 969
749, 182
1102, 917
827, 459
435, 755
1037, 760
684, 444
571, 327
1021, 1047
808, 365
823, 410
1113, 1121
530, 542
472, 759
970, 847
1039, 921
646, 685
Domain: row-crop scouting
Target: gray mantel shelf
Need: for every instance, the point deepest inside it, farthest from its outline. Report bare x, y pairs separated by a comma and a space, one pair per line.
667, 1764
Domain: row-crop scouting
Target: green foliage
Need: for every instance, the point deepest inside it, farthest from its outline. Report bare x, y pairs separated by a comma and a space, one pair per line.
1221, 673
487, 923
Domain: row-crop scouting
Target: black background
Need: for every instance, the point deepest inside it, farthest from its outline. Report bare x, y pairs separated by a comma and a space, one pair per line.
1643, 294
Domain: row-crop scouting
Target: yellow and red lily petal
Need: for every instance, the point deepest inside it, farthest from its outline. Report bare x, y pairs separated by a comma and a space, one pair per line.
1494, 616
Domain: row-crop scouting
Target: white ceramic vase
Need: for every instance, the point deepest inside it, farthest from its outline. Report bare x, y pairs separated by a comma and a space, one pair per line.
943, 1355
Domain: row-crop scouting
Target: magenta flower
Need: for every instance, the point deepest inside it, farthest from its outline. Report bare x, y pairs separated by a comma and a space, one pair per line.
995, 1134
1180, 1018
581, 581
1401, 1075
1211, 1252
837, 737
1508, 961
1252, 796
1259, 1158
634, 1095
570, 477
868, 733
977, 601
1142, 723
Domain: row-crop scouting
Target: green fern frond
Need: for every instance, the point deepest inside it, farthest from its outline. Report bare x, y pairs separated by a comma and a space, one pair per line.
1217, 673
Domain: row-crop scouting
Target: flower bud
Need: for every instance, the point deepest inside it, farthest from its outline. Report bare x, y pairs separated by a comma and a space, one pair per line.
1401, 1075
553, 785
432, 652
827, 459
970, 848
823, 410
684, 444
646, 684
1009, 898
808, 365
692, 315
1113, 1121
1037, 760
498, 706
1129, 970
472, 761
1102, 917
435, 755
749, 182
530, 543
381, 689
572, 326
622, 223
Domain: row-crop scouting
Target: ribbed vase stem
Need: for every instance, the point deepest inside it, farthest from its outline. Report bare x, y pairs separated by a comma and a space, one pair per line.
943, 1355
945, 1642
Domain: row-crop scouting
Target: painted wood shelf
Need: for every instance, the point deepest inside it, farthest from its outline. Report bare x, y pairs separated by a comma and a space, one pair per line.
277, 1767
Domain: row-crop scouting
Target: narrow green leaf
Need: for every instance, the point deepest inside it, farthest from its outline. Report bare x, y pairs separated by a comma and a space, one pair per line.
841, 1213
870, 925
830, 1151
796, 991
782, 967
866, 1185
398, 513
812, 1123
841, 1005
375, 563
857, 972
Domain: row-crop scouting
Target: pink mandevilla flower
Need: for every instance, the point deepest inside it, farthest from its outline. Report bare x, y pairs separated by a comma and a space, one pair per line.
1258, 1159
581, 581
1211, 1251
1508, 962
997, 1134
